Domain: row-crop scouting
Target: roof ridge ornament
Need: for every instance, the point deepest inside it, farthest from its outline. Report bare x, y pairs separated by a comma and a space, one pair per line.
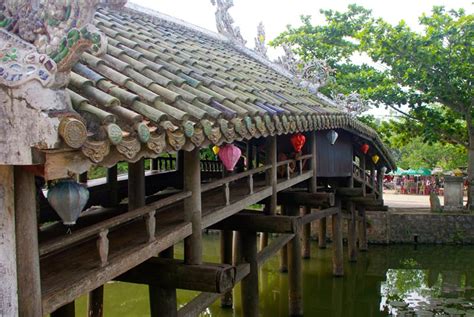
260, 47
60, 31
353, 103
224, 21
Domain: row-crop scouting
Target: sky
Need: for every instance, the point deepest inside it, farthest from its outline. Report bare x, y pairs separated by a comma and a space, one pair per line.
277, 14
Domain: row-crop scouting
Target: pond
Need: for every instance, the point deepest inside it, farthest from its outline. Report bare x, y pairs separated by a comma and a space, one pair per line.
399, 280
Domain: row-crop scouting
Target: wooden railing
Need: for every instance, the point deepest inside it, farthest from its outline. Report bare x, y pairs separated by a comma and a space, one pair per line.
211, 166
165, 164
101, 230
225, 182
297, 162
364, 176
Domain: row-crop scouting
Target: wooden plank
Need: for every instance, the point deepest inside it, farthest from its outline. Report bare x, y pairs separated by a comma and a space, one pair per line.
232, 178
259, 222
8, 268
29, 281
172, 273
94, 230
294, 180
314, 200
319, 214
274, 246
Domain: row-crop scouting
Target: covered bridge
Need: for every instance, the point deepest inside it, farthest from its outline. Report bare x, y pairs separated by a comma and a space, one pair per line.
99, 84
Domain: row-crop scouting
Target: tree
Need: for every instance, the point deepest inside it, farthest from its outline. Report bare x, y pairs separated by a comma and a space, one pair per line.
430, 71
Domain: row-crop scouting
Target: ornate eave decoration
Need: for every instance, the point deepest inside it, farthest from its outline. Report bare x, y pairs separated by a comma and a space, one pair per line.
43, 39
260, 47
352, 103
224, 21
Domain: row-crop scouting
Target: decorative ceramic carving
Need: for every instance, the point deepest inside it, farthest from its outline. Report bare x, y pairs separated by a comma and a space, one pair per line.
114, 133
157, 142
73, 132
260, 46
129, 147
198, 136
224, 22
176, 139
58, 29
96, 150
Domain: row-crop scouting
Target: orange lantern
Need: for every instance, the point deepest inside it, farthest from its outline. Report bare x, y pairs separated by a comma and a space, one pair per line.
215, 149
298, 140
365, 148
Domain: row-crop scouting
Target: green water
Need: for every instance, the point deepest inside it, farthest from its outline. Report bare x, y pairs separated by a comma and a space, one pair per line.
386, 281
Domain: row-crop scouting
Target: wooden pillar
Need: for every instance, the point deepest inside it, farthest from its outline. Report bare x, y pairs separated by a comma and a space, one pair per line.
271, 180
306, 250
249, 286
226, 258
372, 175
83, 178
380, 176
29, 281
136, 185
112, 185
337, 257
163, 300
68, 310
322, 233
352, 232
295, 274
362, 167
363, 244
192, 207
8, 267
96, 302
284, 252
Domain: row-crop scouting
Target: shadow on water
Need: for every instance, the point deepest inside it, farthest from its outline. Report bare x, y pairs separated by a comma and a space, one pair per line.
386, 281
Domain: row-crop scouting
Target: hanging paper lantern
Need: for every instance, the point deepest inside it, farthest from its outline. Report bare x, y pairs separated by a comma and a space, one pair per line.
215, 149
229, 155
298, 140
68, 198
332, 136
375, 158
365, 148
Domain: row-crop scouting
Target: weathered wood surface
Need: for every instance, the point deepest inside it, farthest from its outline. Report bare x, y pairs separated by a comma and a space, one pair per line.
259, 222
284, 184
273, 247
314, 200
352, 232
249, 285
306, 234
362, 230
226, 243
163, 301
8, 269
349, 191
318, 215
29, 281
337, 256
96, 302
322, 235
295, 273
171, 273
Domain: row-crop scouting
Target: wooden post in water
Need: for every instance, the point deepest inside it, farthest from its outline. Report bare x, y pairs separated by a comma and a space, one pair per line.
226, 258
68, 310
337, 257
249, 286
313, 188
271, 180
363, 243
27, 254
352, 232
295, 274
192, 207
8, 272
96, 302
163, 300
322, 227
306, 236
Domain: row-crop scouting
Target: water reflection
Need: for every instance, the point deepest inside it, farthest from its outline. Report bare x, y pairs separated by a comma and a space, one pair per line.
386, 281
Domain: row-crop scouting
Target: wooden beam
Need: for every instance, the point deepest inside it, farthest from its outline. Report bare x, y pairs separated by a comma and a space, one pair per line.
363, 243
284, 252
8, 273
306, 234
376, 208
28, 268
365, 201
314, 200
204, 300
349, 191
294, 180
318, 215
192, 207
274, 246
172, 273
259, 222
295, 273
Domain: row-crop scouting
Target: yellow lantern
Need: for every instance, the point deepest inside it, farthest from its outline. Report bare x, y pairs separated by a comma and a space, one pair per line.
375, 158
215, 149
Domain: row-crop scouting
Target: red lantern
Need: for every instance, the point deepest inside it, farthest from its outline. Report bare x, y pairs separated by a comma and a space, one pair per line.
298, 140
229, 155
364, 148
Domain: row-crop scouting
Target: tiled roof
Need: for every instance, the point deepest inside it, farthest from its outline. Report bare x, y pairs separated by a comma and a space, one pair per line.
164, 86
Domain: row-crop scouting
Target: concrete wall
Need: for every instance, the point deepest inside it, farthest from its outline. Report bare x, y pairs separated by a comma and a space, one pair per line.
425, 227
